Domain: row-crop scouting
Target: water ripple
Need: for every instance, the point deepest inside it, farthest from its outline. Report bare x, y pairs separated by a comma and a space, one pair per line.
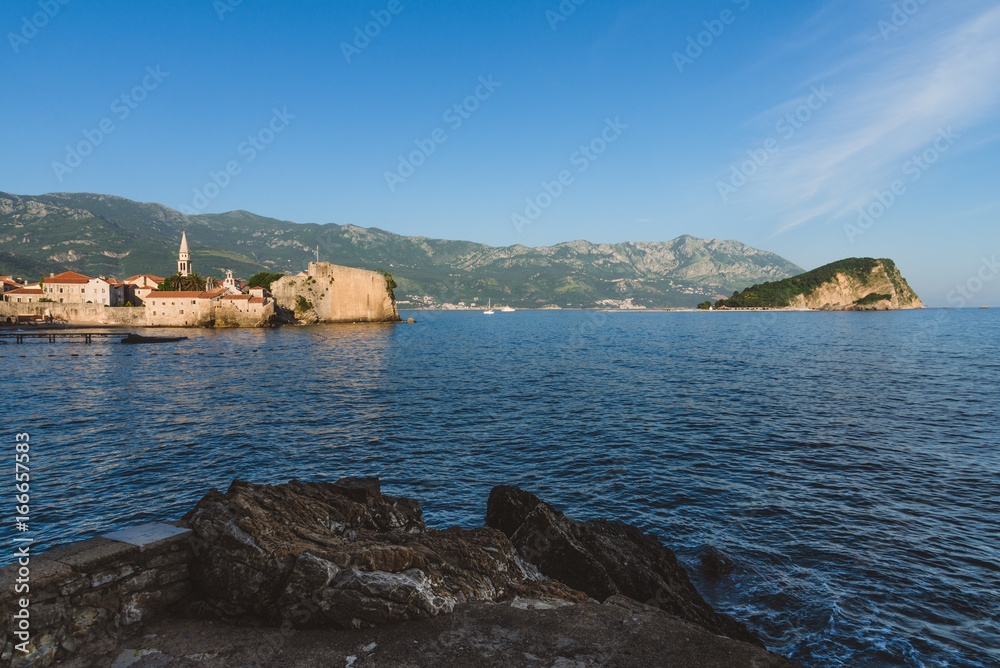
849, 464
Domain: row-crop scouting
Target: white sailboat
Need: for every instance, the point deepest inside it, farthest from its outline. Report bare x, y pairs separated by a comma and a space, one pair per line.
489, 308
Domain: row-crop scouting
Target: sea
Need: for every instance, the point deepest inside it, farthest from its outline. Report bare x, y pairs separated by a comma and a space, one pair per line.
848, 463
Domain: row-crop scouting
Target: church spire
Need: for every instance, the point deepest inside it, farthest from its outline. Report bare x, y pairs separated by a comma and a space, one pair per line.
184, 257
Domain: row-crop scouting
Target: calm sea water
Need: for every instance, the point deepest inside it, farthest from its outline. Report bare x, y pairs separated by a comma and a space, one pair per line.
848, 461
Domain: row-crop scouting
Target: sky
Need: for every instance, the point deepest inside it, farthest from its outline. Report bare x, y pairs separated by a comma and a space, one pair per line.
816, 130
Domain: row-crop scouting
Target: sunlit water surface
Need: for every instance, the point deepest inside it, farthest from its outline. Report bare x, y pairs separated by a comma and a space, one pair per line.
849, 462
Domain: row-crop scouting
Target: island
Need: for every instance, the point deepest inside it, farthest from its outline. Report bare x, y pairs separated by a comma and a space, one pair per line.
853, 284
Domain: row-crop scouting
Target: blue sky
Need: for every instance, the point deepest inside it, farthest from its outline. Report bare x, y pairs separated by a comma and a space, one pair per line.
817, 130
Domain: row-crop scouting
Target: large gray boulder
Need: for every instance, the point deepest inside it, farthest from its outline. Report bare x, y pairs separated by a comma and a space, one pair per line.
603, 559
321, 555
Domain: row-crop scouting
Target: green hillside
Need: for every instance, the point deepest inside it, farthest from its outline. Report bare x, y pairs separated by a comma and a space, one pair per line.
779, 294
103, 234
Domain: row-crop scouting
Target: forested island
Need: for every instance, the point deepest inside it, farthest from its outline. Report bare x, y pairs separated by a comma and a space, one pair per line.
852, 284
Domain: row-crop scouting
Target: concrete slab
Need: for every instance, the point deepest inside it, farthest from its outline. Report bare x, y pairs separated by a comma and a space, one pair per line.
92, 553
145, 535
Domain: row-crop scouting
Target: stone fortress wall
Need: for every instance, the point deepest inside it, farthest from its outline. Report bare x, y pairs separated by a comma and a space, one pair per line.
182, 313
90, 313
338, 294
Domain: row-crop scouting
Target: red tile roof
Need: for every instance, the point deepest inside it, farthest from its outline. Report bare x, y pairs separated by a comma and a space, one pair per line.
157, 279
257, 300
237, 297
24, 291
69, 278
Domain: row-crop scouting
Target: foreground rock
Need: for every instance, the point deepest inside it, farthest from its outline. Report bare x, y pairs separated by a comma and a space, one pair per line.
314, 555
604, 559
716, 563
619, 633
320, 574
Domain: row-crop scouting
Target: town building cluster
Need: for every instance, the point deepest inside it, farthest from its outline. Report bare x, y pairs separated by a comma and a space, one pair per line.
163, 307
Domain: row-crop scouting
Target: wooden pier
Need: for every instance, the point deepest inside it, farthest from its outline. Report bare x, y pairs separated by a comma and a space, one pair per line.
52, 337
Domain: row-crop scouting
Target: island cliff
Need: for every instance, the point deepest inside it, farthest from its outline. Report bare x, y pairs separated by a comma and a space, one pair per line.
327, 292
854, 284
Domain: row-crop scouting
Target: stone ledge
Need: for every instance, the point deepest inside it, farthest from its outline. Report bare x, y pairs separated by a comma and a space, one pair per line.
44, 572
149, 536
93, 553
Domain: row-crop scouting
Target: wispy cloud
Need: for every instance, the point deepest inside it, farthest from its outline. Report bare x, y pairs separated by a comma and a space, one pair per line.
930, 79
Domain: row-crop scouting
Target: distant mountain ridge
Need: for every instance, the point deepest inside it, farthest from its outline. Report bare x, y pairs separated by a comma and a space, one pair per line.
104, 234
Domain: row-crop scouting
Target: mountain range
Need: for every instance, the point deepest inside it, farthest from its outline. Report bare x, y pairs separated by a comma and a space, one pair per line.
108, 235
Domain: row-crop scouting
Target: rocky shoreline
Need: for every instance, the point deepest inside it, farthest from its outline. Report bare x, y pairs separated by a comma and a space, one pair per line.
339, 574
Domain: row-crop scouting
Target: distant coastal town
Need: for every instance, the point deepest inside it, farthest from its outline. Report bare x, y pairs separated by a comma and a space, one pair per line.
232, 298
323, 293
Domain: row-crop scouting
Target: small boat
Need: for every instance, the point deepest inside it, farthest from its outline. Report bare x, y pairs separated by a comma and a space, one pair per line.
136, 338
506, 309
489, 308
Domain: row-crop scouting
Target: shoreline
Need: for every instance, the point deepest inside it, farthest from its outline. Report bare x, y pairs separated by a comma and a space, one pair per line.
80, 325
313, 573
682, 310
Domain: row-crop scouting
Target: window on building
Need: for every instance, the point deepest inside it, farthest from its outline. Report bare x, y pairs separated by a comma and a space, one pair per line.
182, 311
154, 312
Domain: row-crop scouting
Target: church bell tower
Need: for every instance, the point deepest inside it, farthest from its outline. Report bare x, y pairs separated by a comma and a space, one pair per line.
184, 257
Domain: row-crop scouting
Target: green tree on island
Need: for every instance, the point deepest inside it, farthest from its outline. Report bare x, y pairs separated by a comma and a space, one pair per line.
191, 283
263, 279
